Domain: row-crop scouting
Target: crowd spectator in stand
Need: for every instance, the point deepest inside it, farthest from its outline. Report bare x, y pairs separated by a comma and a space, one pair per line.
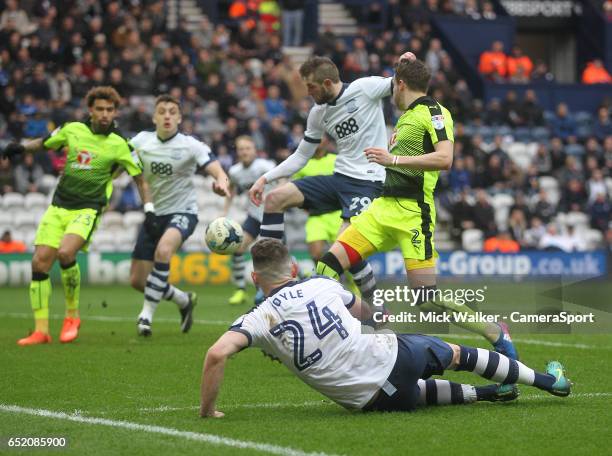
7, 177
459, 177
596, 73
563, 124
483, 213
519, 62
603, 123
544, 208
555, 240
517, 225
463, 215
502, 242
10, 245
511, 108
531, 113
541, 73
28, 175
292, 21
13, 18
574, 197
600, 212
493, 64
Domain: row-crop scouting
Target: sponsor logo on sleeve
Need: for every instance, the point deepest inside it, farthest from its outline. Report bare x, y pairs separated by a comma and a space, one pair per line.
438, 121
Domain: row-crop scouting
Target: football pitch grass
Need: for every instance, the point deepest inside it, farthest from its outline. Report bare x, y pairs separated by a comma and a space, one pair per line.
112, 392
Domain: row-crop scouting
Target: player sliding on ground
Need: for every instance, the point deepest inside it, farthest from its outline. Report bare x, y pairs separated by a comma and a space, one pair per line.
352, 114
242, 176
312, 327
170, 159
405, 216
96, 151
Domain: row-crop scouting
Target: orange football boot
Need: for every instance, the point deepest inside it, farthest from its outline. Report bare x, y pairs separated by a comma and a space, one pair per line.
35, 338
70, 329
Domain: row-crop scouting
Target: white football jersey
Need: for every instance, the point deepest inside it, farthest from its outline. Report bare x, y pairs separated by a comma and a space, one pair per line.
356, 121
307, 325
243, 179
168, 168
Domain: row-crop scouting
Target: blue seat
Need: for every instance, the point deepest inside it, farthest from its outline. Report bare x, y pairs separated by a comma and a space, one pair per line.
522, 134
540, 134
469, 129
503, 130
584, 131
485, 131
574, 149
583, 118
549, 116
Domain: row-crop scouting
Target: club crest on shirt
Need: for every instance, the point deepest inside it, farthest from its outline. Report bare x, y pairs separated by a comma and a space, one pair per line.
176, 154
438, 121
351, 105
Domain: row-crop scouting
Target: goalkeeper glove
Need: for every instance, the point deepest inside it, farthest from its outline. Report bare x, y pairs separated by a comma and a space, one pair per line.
12, 150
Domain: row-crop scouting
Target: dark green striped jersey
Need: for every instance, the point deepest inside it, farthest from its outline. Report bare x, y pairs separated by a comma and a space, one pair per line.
424, 123
91, 160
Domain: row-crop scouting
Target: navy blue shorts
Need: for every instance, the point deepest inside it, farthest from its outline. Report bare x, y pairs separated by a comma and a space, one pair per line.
323, 194
146, 245
418, 357
251, 225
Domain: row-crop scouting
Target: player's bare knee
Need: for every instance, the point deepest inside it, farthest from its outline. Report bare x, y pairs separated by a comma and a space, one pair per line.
41, 264
274, 202
163, 253
66, 256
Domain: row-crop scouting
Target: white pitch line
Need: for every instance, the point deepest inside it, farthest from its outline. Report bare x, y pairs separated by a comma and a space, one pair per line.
186, 435
572, 395
167, 408
116, 319
545, 343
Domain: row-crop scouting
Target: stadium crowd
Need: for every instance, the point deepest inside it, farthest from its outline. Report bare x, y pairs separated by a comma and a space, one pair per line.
233, 81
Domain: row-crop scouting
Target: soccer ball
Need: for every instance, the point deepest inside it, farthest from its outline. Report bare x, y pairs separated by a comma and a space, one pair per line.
223, 236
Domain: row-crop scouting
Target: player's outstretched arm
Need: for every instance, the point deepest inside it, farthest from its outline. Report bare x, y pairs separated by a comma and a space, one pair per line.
292, 164
214, 367
14, 149
221, 183
439, 160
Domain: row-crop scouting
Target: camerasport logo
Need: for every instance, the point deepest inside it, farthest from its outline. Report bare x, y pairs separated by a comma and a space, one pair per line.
83, 159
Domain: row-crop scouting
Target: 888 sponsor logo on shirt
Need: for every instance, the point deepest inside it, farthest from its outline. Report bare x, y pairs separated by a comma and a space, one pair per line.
346, 128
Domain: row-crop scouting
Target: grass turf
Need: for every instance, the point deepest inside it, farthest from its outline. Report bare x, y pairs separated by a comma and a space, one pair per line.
111, 373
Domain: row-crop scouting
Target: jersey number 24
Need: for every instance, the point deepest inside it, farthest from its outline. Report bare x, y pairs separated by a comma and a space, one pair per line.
320, 328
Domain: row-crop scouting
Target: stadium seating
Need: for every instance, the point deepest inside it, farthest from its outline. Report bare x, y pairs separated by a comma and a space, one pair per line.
12, 201
207, 117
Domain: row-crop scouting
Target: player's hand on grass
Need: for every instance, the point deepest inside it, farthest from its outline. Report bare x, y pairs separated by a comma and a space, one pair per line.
12, 150
407, 56
221, 187
256, 191
379, 155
